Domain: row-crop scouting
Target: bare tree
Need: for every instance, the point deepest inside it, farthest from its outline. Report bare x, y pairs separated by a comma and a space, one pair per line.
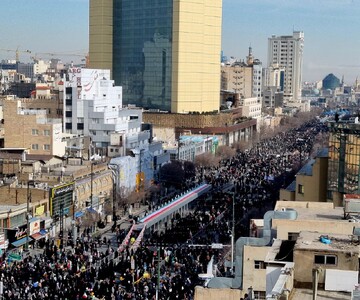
89, 219
225, 152
206, 160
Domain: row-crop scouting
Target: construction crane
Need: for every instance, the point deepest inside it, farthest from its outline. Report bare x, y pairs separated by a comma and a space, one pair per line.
54, 54
17, 52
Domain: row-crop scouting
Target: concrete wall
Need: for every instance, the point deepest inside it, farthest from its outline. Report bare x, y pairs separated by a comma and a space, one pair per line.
304, 263
287, 195
321, 226
315, 186
254, 277
217, 294
187, 120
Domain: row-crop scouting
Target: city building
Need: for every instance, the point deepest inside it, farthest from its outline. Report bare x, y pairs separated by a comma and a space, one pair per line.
243, 78
251, 108
93, 107
237, 77
310, 183
190, 146
284, 250
165, 54
229, 126
287, 52
330, 82
31, 129
272, 97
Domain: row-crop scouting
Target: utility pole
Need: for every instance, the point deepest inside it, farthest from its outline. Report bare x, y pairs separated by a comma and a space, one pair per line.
91, 184
61, 219
28, 200
158, 275
233, 231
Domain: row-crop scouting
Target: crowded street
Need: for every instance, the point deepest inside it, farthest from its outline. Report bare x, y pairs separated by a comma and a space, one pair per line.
167, 262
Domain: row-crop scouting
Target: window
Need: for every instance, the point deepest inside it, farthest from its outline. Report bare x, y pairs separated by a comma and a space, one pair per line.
47, 132
301, 189
34, 131
35, 147
46, 147
321, 259
259, 264
259, 295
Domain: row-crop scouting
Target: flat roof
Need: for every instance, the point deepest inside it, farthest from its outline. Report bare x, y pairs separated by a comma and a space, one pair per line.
314, 210
310, 240
307, 294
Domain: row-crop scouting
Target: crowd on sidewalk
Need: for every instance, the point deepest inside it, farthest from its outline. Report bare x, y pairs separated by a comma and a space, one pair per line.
76, 273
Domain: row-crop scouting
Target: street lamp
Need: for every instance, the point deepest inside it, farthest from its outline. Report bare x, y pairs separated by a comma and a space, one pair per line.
233, 230
115, 175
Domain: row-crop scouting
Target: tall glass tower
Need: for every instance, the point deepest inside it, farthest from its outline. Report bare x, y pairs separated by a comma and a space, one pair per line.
164, 53
142, 51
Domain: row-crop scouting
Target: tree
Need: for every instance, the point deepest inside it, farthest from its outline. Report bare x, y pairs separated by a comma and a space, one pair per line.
225, 152
89, 219
189, 169
206, 159
172, 173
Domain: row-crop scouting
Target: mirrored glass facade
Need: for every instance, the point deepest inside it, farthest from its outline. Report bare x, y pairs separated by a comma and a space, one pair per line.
142, 51
344, 158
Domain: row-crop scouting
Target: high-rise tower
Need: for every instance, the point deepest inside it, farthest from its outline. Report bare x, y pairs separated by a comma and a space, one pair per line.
287, 52
165, 54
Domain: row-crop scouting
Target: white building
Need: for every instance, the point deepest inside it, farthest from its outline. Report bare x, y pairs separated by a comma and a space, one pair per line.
287, 52
257, 80
251, 108
40, 66
93, 107
273, 76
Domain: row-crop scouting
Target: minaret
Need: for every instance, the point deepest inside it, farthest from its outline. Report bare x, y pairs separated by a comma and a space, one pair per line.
357, 84
250, 58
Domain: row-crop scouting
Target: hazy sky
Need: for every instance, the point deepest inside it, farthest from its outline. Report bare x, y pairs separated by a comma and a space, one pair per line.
331, 28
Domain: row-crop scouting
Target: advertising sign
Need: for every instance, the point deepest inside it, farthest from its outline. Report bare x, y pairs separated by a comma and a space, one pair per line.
61, 195
34, 227
16, 234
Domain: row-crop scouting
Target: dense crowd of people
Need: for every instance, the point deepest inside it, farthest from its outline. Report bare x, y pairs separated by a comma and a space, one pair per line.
85, 272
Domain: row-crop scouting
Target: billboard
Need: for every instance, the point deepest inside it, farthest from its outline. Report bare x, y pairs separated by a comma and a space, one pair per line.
61, 195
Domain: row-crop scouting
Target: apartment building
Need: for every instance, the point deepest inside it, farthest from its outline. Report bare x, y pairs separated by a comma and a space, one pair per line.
31, 129
287, 52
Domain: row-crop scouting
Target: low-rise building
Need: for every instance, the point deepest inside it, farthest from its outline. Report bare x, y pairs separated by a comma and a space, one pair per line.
32, 129
310, 183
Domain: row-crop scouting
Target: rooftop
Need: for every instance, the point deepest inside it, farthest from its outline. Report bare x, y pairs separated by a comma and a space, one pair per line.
306, 294
314, 210
307, 168
309, 240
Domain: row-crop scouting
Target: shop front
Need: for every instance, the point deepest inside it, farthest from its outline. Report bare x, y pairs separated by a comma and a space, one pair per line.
18, 237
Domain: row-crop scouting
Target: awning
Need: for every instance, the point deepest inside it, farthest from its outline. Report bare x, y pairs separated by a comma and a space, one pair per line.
37, 236
78, 214
21, 242
90, 209
43, 231
14, 256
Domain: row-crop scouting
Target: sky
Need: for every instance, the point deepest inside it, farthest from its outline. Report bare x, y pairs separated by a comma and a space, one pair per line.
331, 29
